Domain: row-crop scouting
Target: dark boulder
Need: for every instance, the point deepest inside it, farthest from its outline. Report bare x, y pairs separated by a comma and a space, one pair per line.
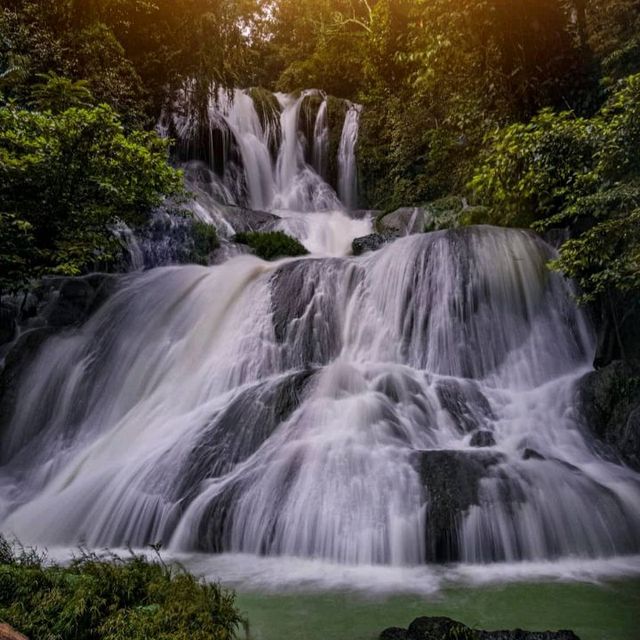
464, 402
441, 628
609, 399
482, 439
452, 484
372, 242
246, 220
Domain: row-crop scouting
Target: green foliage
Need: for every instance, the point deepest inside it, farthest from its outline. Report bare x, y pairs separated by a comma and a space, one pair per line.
530, 171
131, 53
577, 172
110, 599
271, 245
64, 178
205, 241
57, 94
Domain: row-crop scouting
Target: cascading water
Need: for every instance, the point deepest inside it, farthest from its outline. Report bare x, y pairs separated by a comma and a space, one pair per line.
348, 181
262, 160
319, 408
415, 404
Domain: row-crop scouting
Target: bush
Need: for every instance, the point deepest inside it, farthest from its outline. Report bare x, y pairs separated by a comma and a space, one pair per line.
579, 173
64, 178
110, 599
271, 245
205, 241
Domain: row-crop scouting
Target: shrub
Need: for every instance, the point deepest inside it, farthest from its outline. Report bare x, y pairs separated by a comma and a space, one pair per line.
272, 244
205, 240
109, 598
64, 178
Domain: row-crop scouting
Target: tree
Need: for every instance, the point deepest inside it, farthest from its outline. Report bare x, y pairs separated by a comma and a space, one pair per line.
65, 178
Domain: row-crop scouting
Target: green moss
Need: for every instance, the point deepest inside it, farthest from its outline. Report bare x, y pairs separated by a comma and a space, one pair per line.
271, 245
205, 240
110, 599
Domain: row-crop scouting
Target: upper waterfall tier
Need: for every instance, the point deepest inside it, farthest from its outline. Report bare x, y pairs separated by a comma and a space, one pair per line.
272, 152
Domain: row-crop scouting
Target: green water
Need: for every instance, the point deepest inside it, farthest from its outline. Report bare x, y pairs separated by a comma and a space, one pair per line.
608, 611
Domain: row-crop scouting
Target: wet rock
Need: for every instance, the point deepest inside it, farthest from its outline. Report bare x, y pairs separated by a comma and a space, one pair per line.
465, 404
307, 324
609, 399
246, 220
441, 628
532, 454
372, 242
233, 436
482, 439
452, 483
394, 633
404, 221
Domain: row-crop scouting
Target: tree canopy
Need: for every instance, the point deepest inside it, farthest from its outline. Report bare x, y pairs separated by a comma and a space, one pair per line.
529, 113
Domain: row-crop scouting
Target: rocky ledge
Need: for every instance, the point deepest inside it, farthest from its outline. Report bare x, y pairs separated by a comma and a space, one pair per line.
446, 629
609, 399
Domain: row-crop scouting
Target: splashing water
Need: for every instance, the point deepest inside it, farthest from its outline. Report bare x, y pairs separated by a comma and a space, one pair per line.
324, 408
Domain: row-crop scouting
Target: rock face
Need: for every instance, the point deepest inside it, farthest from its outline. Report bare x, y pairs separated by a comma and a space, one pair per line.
440, 628
403, 221
372, 242
452, 482
245, 220
609, 399
482, 439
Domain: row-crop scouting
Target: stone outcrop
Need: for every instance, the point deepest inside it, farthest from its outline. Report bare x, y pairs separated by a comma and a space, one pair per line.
372, 242
452, 483
404, 221
440, 628
609, 399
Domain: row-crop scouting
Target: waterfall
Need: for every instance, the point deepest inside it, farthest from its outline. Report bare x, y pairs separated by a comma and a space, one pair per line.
324, 407
321, 141
348, 178
255, 148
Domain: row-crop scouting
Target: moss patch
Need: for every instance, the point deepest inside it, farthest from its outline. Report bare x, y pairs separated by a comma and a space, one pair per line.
271, 245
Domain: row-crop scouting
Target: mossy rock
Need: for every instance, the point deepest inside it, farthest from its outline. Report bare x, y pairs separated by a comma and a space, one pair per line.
271, 245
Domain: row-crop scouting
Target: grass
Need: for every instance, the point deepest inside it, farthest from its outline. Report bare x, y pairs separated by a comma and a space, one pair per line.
110, 598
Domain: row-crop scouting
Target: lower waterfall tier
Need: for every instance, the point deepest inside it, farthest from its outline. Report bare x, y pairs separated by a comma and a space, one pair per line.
415, 404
